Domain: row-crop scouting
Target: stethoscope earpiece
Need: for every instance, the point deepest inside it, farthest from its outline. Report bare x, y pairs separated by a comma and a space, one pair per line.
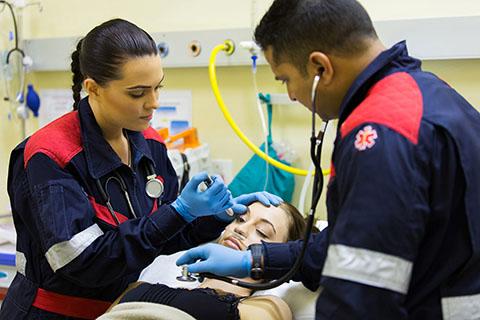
316, 79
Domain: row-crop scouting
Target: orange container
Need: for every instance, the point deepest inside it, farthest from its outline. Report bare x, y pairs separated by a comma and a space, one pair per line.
181, 141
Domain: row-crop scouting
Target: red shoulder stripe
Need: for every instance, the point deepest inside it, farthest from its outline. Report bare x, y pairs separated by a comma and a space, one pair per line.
60, 140
395, 102
152, 134
103, 213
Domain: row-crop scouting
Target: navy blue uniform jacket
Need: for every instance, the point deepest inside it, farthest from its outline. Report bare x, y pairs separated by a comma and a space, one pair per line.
403, 201
68, 243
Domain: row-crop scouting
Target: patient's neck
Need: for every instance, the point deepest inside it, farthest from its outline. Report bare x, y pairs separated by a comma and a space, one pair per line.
226, 287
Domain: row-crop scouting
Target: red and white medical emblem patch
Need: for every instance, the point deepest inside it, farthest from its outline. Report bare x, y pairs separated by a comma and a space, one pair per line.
365, 138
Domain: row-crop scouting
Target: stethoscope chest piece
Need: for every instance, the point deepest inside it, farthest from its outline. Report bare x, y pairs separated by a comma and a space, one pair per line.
186, 276
154, 187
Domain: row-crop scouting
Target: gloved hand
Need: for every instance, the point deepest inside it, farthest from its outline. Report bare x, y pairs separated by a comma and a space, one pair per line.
240, 203
218, 259
193, 203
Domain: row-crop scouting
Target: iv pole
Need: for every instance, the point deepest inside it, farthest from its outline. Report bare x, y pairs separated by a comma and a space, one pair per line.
22, 62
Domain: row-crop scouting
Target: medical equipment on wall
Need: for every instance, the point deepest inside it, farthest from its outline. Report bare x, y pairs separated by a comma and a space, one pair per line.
252, 176
316, 142
251, 46
229, 47
33, 100
15, 86
154, 189
254, 50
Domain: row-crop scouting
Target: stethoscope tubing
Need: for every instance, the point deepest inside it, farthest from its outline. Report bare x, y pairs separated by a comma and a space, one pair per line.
118, 178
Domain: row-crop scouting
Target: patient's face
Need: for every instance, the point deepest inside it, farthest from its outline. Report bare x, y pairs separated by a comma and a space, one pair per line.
269, 224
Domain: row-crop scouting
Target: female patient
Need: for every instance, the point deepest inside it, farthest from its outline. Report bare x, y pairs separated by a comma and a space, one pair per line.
215, 299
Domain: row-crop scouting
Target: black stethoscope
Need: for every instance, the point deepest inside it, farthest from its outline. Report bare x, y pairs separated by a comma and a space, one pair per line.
316, 142
154, 189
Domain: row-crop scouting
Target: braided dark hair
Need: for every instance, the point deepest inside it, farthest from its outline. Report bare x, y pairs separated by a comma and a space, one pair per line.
103, 51
77, 77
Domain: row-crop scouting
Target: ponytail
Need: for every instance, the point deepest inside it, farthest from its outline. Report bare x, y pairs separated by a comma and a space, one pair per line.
77, 75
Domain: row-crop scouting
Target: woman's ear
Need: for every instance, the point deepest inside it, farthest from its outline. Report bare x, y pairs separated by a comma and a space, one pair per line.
321, 65
91, 87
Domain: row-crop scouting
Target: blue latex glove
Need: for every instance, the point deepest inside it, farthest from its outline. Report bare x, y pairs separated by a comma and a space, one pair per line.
217, 259
227, 215
240, 203
193, 203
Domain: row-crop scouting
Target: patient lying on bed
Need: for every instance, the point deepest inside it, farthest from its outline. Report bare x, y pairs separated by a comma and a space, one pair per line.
214, 299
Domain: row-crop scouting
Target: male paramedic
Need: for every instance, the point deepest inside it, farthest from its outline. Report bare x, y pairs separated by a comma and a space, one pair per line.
403, 199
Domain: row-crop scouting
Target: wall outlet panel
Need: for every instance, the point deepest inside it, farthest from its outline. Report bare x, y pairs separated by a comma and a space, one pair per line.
427, 39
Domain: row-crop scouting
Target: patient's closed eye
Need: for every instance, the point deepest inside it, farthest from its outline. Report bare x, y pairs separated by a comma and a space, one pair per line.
262, 234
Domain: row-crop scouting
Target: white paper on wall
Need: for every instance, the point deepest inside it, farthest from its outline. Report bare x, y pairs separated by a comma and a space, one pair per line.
174, 111
53, 104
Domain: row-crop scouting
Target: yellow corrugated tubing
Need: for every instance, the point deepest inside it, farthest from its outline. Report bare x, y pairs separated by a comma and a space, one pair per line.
228, 48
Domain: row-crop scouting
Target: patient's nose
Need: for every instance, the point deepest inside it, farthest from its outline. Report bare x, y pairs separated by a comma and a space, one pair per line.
241, 230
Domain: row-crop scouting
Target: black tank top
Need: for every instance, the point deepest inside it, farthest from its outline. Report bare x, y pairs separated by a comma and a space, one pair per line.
200, 303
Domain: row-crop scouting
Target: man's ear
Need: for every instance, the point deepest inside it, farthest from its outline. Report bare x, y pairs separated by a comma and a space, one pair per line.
320, 64
91, 87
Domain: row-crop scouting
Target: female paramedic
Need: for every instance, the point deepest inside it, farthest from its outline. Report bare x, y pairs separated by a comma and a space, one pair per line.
93, 194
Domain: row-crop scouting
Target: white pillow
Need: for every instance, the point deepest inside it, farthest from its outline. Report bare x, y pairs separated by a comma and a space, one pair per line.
300, 300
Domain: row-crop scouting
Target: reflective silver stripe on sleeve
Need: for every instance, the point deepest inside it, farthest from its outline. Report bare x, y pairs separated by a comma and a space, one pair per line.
62, 253
20, 262
368, 267
461, 307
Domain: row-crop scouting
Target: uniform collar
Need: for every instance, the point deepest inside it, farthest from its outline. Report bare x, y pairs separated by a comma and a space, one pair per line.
101, 158
393, 60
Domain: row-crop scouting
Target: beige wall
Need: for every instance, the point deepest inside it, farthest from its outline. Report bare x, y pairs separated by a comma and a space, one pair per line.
69, 18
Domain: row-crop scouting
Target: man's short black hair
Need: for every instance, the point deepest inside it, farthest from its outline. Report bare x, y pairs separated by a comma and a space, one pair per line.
296, 28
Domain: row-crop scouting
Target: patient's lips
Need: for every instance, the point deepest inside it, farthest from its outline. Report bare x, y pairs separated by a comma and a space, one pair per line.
234, 243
